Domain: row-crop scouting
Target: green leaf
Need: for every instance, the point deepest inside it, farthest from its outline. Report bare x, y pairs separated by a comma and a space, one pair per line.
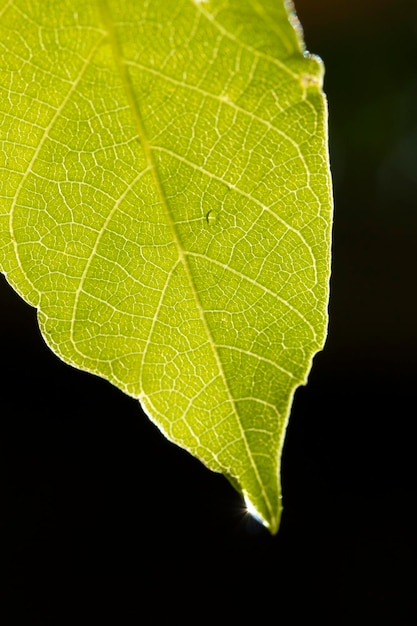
166, 206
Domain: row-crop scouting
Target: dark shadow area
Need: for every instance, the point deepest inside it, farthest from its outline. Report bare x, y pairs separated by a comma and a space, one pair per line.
101, 515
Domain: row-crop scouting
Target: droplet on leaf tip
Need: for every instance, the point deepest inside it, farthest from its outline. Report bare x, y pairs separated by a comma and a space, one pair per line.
253, 512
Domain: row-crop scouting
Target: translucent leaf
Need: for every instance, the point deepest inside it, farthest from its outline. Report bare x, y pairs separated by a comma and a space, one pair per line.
166, 206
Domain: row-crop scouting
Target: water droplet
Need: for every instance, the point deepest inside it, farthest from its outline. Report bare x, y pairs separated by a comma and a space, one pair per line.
212, 218
253, 512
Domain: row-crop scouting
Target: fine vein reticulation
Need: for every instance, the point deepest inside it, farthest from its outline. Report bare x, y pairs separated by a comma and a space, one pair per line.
166, 206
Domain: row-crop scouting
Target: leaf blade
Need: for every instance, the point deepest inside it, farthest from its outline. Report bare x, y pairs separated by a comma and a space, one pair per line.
147, 131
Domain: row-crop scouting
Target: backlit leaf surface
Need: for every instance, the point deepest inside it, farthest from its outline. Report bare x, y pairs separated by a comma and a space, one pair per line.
165, 204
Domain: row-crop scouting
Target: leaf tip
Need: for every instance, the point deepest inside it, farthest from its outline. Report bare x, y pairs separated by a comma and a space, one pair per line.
271, 524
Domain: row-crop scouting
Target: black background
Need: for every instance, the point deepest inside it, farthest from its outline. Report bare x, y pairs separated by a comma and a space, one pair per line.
100, 513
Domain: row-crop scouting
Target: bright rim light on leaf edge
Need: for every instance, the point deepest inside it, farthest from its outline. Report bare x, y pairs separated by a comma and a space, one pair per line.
253, 512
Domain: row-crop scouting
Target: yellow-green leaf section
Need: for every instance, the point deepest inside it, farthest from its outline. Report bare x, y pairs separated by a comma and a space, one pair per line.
165, 203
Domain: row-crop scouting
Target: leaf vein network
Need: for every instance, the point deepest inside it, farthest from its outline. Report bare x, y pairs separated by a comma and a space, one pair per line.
211, 18
38, 149
148, 150
250, 197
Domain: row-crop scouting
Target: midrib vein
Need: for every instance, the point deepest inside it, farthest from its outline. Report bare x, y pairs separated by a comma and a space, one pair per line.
134, 107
